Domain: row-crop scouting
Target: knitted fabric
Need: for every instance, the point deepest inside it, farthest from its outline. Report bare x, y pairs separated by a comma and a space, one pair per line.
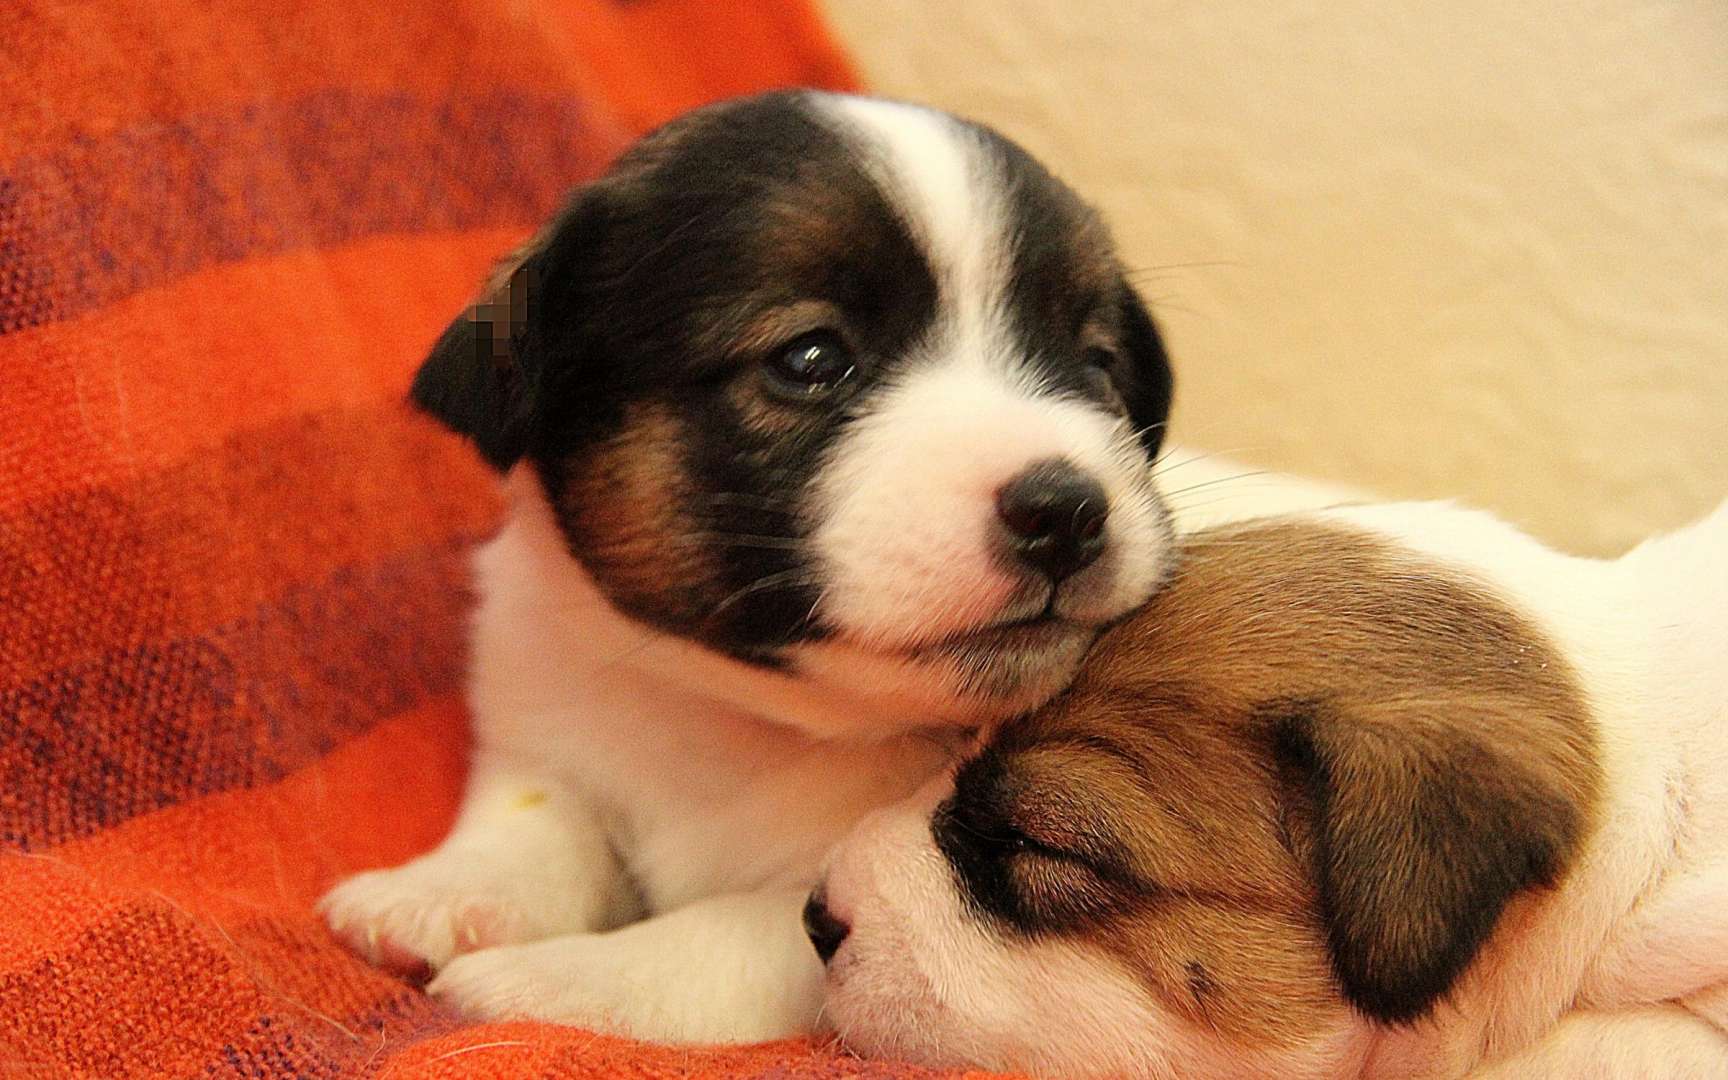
232, 562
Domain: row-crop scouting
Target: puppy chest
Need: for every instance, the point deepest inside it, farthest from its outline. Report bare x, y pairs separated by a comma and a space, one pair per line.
744, 825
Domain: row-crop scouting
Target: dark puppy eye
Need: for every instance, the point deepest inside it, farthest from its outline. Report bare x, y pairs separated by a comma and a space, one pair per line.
1102, 359
811, 365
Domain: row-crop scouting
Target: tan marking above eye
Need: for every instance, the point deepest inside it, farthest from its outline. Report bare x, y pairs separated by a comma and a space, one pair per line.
771, 329
735, 337
1098, 330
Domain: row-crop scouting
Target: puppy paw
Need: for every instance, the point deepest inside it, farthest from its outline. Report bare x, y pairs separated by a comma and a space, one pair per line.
599, 982
413, 919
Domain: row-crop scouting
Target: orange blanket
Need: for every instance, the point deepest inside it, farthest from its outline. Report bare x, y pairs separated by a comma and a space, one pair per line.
231, 561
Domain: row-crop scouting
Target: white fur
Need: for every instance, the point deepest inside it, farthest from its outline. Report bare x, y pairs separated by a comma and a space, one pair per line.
672, 757
621, 774
1623, 973
902, 571
933, 169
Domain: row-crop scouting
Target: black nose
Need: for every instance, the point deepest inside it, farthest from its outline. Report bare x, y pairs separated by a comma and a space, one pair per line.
826, 932
1055, 517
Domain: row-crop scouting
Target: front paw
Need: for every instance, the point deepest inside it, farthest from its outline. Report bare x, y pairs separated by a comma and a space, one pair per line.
603, 982
566, 980
413, 919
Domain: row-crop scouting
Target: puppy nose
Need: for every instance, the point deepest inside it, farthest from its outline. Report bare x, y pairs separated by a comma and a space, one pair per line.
826, 932
1055, 517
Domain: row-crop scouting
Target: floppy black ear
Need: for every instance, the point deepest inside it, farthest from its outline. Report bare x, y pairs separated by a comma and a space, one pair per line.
1148, 397
477, 379
1424, 829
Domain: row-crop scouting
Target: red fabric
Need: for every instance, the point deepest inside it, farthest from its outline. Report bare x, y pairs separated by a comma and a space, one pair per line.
232, 578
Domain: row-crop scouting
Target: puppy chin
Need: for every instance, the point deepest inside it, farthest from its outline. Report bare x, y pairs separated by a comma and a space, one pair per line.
1007, 657
963, 681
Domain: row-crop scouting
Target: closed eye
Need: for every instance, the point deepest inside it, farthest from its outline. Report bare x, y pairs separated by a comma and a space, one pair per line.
1027, 876
992, 838
1002, 838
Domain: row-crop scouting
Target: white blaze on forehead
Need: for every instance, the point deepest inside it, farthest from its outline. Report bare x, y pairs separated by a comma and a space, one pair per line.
906, 530
941, 179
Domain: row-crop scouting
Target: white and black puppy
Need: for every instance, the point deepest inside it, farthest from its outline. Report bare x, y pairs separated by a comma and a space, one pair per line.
827, 425
1391, 791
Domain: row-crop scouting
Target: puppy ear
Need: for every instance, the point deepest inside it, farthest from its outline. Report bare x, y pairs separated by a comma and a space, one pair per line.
1424, 829
478, 380
1148, 395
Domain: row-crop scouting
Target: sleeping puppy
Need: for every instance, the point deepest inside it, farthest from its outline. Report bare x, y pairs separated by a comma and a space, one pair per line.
1389, 791
826, 425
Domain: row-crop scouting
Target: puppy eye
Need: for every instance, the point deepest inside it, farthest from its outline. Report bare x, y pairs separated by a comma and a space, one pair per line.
812, 365
1005, 840
980, 835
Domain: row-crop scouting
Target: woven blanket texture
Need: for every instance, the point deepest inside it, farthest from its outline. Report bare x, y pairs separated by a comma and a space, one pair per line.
232, 561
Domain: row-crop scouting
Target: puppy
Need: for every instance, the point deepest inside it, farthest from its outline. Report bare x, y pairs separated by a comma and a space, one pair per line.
1389, 791
826, 425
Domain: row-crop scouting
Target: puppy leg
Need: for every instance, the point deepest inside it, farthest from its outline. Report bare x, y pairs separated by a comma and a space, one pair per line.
730, 968
526, 859
1656, 1040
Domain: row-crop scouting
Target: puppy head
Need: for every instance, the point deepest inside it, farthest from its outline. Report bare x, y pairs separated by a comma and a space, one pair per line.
1284, 805
850, 390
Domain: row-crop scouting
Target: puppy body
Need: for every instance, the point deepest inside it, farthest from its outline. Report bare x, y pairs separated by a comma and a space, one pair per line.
711, 792
827, 427
1407, 795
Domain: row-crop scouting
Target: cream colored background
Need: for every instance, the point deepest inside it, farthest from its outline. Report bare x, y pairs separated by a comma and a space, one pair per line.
1466, 248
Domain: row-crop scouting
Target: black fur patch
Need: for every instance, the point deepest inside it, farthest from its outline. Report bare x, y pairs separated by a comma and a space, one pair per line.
971, 830
1068, 295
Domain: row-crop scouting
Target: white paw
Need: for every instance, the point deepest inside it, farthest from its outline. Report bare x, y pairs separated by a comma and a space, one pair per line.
416, 917
567, 980
604, 982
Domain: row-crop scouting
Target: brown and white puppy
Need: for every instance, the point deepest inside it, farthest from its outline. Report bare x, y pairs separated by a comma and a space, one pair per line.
827, 427
1389, 791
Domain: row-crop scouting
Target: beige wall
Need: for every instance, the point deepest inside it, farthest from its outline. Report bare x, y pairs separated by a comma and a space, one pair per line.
1466, 248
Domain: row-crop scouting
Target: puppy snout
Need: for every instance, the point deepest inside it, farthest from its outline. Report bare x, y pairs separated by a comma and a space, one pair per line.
1054, 515
825, 929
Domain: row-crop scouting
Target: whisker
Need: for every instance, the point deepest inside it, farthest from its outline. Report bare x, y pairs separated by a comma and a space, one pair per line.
810, 616
1134, 272
631, 548
743, 498
798, 576
755, 540
1140, 433
646, 640
1204, 455
1168, 495
1164, 304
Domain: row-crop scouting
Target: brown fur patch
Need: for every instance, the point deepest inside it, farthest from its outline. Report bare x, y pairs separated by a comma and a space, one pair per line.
1312, 766
626, 505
